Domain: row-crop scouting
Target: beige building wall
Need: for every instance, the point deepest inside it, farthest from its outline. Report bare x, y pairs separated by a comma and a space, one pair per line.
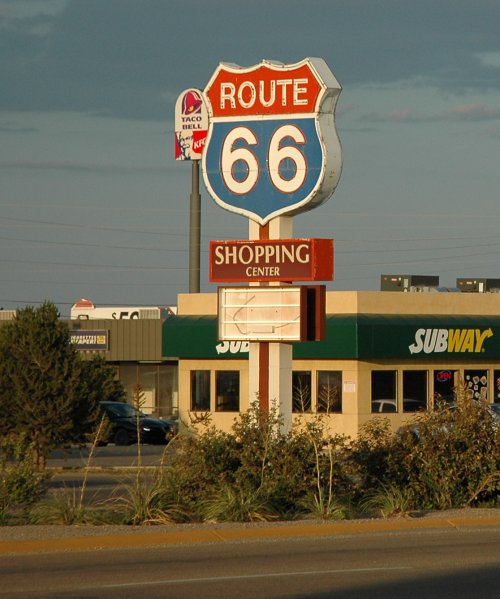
222, 420
429, 302
135, 350
356, 392
347, 422
373, 302
129, 340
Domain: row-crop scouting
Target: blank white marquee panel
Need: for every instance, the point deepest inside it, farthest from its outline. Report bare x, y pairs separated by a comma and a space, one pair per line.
259, 313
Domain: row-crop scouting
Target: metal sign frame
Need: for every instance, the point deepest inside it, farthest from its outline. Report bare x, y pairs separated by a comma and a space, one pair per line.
272, 148
259, 313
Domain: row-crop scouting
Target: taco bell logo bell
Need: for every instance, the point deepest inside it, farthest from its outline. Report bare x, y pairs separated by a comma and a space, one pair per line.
191, 125
191, 102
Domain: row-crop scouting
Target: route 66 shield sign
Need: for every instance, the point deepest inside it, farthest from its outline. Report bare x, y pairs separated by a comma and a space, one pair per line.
272, 148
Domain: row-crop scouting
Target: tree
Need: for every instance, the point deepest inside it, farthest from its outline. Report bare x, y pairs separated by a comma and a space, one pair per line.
47, 391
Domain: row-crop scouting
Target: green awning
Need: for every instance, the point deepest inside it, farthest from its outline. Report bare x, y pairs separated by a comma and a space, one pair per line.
190, 337
434, 337
353, 336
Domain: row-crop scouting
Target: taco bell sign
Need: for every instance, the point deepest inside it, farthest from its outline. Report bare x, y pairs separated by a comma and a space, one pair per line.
272, 148
191, 125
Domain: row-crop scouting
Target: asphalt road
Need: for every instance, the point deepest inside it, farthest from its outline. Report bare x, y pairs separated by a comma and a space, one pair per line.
452, 563
107, 472
452, 558
111, 456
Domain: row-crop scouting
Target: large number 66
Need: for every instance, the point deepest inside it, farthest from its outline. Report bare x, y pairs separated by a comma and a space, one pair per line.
277, 154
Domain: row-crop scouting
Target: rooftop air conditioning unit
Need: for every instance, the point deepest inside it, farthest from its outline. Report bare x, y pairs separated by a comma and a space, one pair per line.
415, 283
478, 285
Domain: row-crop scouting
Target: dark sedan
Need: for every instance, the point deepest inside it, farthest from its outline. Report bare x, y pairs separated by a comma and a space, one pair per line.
125, 421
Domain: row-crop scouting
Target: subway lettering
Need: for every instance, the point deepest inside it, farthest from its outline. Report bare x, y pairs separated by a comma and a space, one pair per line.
431, 341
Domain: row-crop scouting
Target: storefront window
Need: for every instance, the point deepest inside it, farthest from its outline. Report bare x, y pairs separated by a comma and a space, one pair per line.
129, 378
200, 390
329, 391
414, 390
444, 385
476, 382
227, 390
168, 391
496, 386
301, 391
158, 386
384, 391
148, 380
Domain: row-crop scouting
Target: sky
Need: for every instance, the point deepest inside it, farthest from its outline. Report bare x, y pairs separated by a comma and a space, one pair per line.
93, 203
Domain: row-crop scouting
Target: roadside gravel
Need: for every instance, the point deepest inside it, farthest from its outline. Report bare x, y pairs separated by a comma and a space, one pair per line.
47, 532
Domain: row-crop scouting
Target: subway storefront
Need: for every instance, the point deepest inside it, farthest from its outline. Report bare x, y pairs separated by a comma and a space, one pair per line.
370, 363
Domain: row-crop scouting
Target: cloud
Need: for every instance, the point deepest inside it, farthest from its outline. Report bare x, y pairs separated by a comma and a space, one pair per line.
131, 59
13, 128
490, 59
345, 108
79, 167
398, 115
472, 112
462, 112
493, 132
29, 17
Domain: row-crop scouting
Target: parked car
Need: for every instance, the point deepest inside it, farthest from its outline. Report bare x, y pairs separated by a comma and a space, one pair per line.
389, 405
124, 420
414, 427
495, 408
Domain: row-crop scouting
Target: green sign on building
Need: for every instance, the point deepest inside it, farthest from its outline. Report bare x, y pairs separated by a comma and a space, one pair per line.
352, 336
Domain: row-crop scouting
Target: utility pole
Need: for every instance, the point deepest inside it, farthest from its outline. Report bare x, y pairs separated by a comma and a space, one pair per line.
195, 229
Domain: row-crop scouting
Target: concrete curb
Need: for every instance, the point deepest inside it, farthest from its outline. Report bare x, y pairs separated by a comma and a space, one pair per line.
180, 536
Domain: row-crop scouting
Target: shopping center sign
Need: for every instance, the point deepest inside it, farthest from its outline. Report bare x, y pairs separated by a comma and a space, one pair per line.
272, 148
271, 260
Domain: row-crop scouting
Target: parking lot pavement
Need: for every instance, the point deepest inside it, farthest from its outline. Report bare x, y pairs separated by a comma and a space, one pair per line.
110, 456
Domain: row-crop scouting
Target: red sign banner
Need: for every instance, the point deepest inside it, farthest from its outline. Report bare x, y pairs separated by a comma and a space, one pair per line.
266, 88
271, 260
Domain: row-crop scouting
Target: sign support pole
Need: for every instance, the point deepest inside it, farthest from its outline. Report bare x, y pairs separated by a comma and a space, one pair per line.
191, 127
270, 364
297, 124
263, 349
194, 229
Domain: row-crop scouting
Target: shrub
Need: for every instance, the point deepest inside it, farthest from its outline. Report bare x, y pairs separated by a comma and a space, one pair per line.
446, 458
450, 457
231, 504
256, 471
48, 391
388, 500
443, 459
200, 464
148, 501
271, 462
367, 462
63, 507
21, 485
